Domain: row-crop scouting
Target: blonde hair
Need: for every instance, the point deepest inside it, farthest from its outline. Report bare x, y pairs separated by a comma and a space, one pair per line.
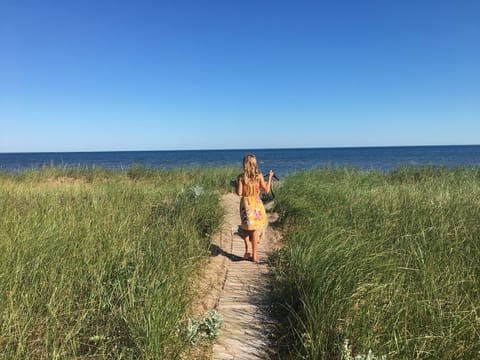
250, 171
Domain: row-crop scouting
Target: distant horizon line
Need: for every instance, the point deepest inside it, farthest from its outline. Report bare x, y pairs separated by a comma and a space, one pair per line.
242, 149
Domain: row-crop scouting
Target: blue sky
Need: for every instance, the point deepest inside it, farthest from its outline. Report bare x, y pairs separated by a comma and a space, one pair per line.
152, 75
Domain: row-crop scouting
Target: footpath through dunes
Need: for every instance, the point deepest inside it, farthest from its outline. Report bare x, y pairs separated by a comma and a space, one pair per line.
239, 290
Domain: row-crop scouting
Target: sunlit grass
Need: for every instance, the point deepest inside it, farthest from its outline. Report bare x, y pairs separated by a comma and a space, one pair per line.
387, 262
98, 264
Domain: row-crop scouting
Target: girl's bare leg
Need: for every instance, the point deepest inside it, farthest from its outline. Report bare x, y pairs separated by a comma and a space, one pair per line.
248, 245
254, 238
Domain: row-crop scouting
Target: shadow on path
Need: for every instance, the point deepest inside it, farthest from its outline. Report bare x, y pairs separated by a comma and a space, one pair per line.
216, 250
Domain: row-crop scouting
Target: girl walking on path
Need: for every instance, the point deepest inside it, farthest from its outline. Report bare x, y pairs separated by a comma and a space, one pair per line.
252, 212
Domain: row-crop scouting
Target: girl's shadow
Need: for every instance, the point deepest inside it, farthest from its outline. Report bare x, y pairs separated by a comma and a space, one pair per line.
216, 250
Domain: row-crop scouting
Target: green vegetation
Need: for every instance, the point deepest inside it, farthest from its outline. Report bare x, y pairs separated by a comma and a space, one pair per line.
98, 264
380, 265
207, 328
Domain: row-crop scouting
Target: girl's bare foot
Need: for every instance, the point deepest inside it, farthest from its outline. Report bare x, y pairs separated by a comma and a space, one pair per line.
247, 255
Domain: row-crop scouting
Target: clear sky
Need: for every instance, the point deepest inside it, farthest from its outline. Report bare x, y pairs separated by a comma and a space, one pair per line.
96, 75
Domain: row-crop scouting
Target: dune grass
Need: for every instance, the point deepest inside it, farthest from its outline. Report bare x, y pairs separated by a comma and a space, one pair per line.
98, 264
380, 262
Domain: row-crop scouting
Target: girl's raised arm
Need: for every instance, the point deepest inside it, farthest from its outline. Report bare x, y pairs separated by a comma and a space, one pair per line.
266, 186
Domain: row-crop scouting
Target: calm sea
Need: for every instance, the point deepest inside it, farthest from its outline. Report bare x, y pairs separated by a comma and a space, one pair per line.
282, 161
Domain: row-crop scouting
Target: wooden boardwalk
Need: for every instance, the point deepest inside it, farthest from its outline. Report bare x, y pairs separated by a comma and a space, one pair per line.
244, 301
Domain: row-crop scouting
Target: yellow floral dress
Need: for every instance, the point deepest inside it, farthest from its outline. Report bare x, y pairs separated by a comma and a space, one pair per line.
252, 211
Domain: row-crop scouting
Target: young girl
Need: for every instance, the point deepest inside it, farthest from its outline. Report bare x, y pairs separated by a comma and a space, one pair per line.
252, 212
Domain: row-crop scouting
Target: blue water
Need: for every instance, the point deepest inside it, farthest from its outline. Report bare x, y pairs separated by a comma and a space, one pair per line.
282, 161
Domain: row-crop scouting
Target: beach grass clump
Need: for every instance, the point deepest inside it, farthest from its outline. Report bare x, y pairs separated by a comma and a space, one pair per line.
387, 263
98, 263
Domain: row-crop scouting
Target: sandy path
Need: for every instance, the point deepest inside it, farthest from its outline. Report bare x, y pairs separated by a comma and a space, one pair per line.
238, 290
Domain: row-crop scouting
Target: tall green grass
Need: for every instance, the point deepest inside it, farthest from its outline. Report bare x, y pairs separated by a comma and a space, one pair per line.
387, 262
98, 264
